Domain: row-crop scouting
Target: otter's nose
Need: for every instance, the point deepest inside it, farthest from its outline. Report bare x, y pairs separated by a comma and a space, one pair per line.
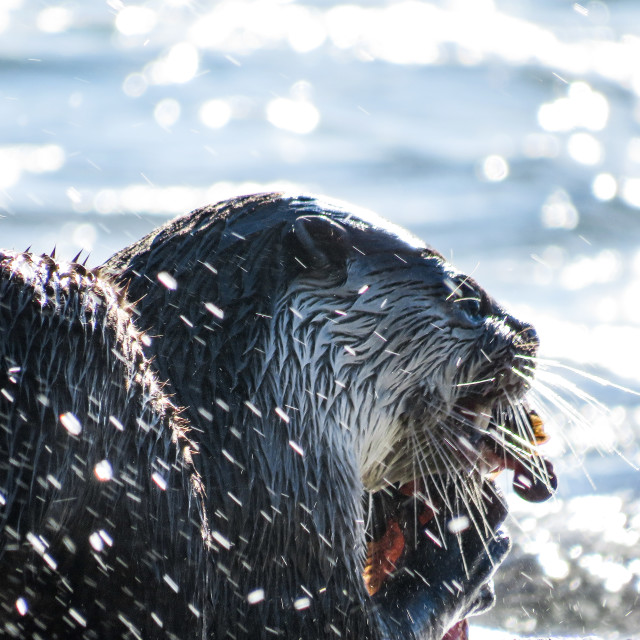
527, 336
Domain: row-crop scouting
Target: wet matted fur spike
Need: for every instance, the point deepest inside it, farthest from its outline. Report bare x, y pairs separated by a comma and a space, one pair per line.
325, 355
101, 524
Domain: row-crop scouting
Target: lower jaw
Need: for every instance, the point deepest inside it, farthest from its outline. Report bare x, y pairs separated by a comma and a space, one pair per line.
534, 478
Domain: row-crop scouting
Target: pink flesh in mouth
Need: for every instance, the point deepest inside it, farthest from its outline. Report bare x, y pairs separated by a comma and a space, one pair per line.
536, 482
459, 631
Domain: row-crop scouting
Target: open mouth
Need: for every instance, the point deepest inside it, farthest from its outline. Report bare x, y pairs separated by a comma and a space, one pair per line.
496, 437
507, 437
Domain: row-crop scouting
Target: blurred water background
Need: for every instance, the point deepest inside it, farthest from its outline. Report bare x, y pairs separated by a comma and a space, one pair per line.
504, 132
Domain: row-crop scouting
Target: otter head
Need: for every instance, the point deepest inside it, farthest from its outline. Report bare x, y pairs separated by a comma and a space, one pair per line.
321, 355
425, 368
333, 317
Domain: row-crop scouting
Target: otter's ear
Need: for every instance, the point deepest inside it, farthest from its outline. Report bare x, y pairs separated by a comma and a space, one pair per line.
319, 242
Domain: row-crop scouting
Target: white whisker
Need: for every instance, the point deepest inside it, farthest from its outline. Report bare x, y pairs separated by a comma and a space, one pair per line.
588, 376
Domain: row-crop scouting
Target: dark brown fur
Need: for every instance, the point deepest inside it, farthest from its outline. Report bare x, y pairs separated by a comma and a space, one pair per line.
67, 346
286, 493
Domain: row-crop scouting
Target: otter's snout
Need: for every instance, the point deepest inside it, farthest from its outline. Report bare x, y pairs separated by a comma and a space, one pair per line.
527, 337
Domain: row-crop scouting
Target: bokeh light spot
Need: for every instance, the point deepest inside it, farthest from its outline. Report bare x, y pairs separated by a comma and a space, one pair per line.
47, 158
495, 168
604, 187
582, 108
558, 212
134, 85
54, 19
22, 606
106, 201
135, 20
85, 236
103, 471
215, 114
71, 423
10, 170
167, 112
297, 116
630, 192
633, 150
584, 148
541, 145
305, 32
179, 65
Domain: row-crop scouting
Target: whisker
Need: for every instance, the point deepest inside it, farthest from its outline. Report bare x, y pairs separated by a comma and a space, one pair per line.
554, 380
588, 376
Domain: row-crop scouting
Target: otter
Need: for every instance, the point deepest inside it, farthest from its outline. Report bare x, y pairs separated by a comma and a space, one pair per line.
326, 360
103, 527
101, 508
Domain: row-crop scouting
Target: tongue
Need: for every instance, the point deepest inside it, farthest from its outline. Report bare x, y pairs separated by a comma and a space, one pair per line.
538, 487
534, 479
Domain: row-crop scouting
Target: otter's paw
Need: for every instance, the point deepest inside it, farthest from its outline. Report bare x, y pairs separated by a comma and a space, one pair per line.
446, 576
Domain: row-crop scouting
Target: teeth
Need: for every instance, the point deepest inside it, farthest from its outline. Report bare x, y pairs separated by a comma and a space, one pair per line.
482, 420
539, 434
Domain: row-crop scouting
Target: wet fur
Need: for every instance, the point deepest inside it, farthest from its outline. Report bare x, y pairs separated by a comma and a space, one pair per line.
68, 346
309, 391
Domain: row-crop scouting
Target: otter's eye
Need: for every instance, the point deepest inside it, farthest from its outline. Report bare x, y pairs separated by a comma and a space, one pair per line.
471, 307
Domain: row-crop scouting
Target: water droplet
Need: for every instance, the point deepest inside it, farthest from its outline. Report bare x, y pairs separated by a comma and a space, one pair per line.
43, 400
459, 524
159, 480
172, 583
234, 498
71, 423
301, 603
255, 596
69, 544
50, 561
22, 606
253, 408
116, 423
77, 616
108, 540
296, 447
216, 311
103, 471
96, 542
222, 404
221, 540
433, 537
167, 280
54, 482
